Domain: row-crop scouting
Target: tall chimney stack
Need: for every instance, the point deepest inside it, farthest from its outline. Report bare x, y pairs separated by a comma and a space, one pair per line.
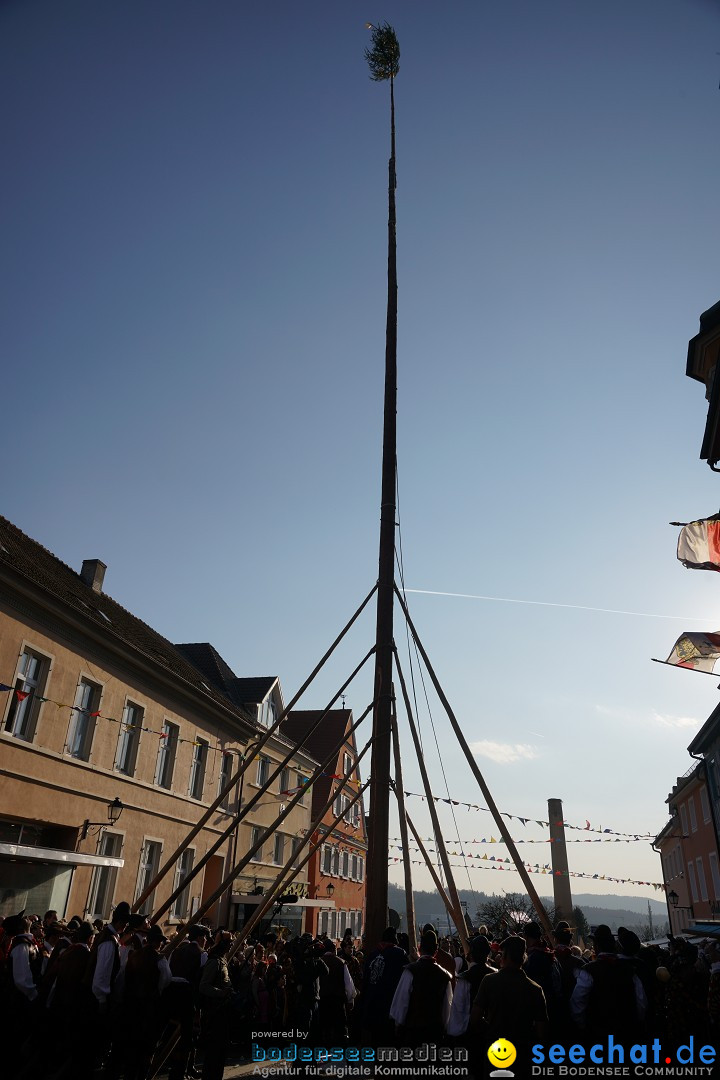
93, 574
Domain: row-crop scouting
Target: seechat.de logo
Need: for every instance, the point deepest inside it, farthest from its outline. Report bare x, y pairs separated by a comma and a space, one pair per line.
501, 1054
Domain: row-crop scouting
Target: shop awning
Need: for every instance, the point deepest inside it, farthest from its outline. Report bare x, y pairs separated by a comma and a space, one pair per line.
27, 853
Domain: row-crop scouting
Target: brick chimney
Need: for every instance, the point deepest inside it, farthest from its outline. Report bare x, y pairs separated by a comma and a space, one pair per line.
93, 573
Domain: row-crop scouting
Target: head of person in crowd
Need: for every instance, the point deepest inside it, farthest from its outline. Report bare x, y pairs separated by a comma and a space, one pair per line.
85, 933
428, 943
16, 924
50, 917
389, 936
628, 941
198, 933
155, 938
603, 940
121, 916
479, 949
347, 948
532, 934
512, 952
562, 932
223, 945
404, 942
98, 924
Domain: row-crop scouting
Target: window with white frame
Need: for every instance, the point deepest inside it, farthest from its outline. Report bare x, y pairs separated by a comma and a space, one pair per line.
702, 884
129, 739
268, 712
715, 874
279, 849
332, 931
301, 782
147, 872
347, 764
327, 859
297, 841
102, 885
285, 781
255, 835
25, 702
336, 863
345, 872
361, 868
693, 815
693, 884
705, 805
82, 724
684, 820
197, 770
184, 866
354, 868
226, 770
263, 771
167, 749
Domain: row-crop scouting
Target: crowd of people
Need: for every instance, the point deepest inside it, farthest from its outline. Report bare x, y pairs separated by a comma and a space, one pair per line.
110, 1000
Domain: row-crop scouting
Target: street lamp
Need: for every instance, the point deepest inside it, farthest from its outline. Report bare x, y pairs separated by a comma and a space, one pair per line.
114, 810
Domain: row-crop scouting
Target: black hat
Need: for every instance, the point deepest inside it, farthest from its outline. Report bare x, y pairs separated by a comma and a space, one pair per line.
629, 941
122, 911
196, 931
155, 934
532, 930
389, 935
603, 939
15, 924
479, 948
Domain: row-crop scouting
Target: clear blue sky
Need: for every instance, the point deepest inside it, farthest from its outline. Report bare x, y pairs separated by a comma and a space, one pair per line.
192, 297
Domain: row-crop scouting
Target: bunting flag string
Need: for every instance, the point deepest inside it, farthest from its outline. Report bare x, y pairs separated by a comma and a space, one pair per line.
587, 827
22, 694
545, 840
499, 864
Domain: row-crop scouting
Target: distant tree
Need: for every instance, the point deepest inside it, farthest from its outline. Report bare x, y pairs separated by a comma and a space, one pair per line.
508, 913
647, 932
581, 923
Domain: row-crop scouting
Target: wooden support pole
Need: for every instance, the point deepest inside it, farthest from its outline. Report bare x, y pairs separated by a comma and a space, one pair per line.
514, 854
247, 759
233, 873
195, 870
456, 911
400, 796
433, 872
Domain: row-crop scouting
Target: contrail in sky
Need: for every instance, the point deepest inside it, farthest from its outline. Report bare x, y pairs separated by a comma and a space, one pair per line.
547, 603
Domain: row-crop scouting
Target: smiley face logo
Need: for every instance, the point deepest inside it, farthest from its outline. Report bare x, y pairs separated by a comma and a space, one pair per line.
502, 1053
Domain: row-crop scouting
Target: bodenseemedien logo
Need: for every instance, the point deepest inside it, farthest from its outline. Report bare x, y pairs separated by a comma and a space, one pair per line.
501, 1054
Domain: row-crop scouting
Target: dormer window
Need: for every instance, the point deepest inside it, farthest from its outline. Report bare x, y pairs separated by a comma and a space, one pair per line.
268, 713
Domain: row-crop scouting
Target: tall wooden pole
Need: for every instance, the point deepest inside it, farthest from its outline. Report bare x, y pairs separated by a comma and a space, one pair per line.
377, 865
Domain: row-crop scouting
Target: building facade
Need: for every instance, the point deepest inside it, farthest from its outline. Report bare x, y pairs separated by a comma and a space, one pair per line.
99, 712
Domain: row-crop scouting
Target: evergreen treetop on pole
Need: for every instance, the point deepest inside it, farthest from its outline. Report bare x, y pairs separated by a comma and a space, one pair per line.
383, 56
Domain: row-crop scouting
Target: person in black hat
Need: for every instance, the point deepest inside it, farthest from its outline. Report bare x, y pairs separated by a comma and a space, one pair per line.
381, 975
147, 973
467, 985
608, 998
423, 999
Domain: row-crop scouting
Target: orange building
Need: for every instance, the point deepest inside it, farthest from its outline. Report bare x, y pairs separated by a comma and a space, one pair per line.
337, 869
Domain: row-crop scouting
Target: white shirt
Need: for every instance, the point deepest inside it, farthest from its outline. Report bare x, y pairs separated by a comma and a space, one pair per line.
102, 979
20, 963
401, 1000
583, 986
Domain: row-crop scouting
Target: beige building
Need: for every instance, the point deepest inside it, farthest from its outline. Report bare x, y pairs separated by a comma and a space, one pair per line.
97, 707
